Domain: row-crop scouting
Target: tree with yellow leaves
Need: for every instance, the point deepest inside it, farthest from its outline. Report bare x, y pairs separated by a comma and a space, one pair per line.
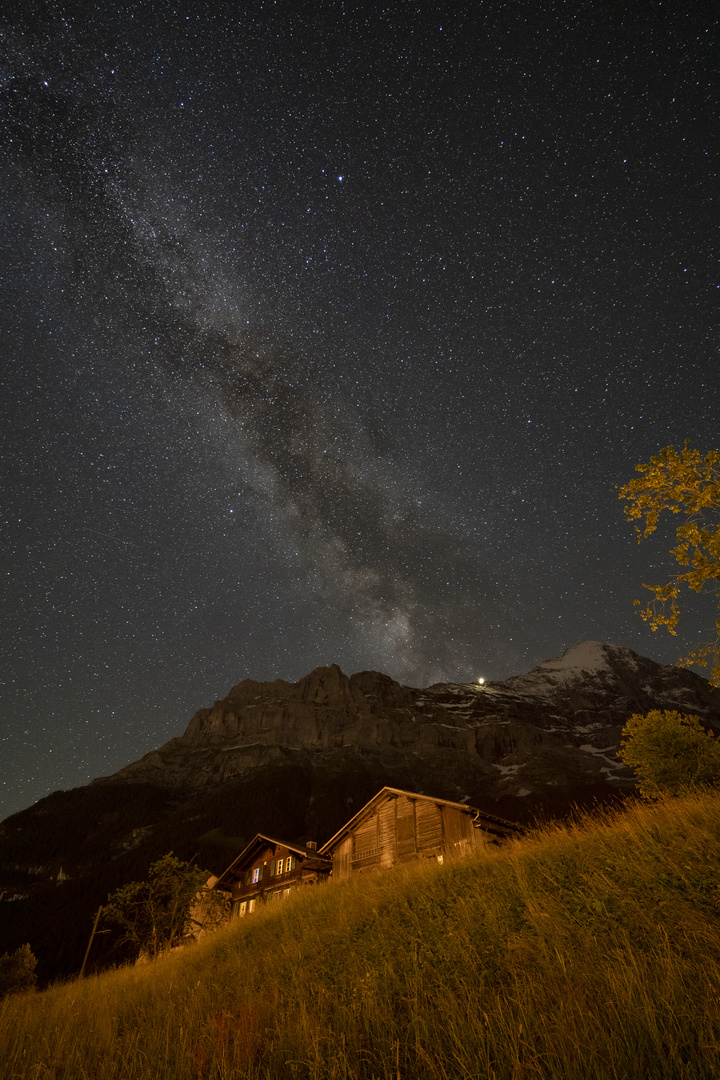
682, 483
669, 752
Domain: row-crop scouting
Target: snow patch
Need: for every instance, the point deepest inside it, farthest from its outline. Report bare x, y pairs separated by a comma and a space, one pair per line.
508, 770
587, 658
603, 752
577, 664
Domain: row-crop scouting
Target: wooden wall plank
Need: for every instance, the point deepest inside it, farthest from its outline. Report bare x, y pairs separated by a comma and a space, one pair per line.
386, 831
366, 836
342, 857
405, 844
429, 826
457, 831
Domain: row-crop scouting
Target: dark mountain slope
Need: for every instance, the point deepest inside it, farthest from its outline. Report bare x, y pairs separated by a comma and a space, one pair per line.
298, 759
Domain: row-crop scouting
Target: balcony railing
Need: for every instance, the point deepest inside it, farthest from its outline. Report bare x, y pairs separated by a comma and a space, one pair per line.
369, 853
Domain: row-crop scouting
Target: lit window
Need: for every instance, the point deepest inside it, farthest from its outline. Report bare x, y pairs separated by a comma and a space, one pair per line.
280, 866
243, 908
290, 863
256, 875
251, 905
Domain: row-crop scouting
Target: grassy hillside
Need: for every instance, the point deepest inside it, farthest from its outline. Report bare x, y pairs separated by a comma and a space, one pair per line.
591, 952
107, 834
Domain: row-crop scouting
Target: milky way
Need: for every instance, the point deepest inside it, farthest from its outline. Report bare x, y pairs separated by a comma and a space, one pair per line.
328, 334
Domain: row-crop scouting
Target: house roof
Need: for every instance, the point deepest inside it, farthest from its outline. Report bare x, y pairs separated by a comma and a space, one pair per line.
256, 845
487, 822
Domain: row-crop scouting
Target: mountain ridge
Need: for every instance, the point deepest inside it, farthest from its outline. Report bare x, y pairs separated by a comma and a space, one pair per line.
576, 702
297, 760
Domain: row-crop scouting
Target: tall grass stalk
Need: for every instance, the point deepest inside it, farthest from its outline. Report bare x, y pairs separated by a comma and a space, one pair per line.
584, 952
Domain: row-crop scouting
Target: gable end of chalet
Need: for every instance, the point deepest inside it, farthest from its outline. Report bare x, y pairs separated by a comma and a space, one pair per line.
402, 826
269, 869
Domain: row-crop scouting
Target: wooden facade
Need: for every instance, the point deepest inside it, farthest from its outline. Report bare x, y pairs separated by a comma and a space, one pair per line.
269, 869
395, 826
401, 826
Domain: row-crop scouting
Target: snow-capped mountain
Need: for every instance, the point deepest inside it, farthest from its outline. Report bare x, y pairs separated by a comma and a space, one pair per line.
298, 759
544, 737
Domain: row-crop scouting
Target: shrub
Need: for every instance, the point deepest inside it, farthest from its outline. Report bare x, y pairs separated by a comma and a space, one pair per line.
153, 915
17, 971
669, 751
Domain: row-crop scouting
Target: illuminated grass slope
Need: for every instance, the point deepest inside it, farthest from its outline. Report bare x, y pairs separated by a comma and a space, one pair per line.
591, 952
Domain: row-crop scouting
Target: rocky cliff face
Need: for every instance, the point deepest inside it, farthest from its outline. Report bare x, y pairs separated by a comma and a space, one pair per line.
297, 760
541, 736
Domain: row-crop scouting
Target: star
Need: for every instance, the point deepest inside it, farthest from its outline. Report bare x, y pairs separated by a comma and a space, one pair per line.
193, 316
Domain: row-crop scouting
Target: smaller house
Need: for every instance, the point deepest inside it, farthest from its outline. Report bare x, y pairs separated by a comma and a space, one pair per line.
269, 869
401, 826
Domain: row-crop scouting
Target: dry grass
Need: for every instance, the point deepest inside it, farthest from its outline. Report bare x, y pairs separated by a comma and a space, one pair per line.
591, 952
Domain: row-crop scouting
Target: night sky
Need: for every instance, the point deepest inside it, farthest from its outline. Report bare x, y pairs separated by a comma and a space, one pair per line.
329, 331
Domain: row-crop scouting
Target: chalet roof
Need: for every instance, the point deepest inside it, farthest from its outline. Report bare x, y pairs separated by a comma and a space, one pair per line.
250, 853
487, 822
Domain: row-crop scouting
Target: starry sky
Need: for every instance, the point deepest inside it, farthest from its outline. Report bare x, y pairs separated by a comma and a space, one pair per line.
329, 331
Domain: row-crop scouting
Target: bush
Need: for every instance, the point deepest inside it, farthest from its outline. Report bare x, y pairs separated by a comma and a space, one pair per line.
153, 915
17, 971
669, 751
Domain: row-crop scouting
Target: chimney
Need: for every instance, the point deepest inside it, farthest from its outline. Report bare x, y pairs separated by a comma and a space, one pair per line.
311, 845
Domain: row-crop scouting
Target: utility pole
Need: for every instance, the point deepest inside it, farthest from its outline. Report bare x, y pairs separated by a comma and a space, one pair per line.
92, 935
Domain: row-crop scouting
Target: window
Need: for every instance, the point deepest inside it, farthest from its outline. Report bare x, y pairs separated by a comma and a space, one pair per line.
257, 874
251, 905
290, 863
280, 865
243, 908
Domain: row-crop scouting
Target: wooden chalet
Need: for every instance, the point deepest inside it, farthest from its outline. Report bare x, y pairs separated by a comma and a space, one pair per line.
400, 826
269, 869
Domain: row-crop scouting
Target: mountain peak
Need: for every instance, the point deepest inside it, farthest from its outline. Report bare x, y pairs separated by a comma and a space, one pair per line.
296, 759
326, 686
477, 738
588, 656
